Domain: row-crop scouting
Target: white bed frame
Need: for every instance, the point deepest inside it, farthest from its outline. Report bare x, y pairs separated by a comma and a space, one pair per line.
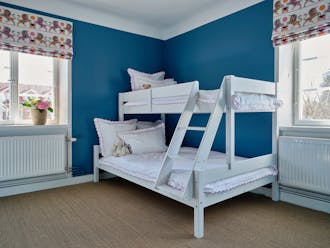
193, 195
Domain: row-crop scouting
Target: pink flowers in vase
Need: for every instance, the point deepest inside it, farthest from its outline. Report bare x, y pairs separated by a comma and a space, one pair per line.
38, 104
43, 105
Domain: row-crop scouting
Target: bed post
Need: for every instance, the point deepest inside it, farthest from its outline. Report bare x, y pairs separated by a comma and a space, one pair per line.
96, 174
275, 133
163, 118
230, 122
199, 221
199, 206
275, 184
120, 107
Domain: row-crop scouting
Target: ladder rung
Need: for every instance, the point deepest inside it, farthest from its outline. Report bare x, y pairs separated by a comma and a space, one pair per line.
194, 128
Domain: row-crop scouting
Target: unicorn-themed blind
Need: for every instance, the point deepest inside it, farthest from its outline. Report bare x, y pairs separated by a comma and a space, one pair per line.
35, 34
296, 20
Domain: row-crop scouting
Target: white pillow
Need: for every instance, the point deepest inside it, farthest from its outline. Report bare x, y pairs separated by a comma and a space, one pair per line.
134, 73
145, 140
107, 132
142, 83
147, 124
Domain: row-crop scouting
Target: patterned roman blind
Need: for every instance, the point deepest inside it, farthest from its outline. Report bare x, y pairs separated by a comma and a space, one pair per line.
35, 34
296, 20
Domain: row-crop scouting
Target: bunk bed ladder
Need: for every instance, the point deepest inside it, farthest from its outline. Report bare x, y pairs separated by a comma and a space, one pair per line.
205, 146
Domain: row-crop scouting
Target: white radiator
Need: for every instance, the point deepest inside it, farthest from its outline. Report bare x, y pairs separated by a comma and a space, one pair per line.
31, 156
304, 163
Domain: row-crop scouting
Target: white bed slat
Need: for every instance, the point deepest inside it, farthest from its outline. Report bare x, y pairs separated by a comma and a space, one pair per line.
136, 95
168, 108
174, 90
246, 85
240, 167
212, 199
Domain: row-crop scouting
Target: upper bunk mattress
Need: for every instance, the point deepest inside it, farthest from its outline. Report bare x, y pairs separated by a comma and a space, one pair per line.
147, 166
243, 102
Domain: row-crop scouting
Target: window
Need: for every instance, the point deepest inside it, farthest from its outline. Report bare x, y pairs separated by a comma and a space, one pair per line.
22, 76
312, 81
5, 96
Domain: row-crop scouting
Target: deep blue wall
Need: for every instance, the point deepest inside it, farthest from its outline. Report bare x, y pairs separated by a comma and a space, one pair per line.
101, 58
240, 45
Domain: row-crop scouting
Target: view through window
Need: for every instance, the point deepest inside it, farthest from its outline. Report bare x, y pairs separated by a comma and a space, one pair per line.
23, 76
35, 79
314, 79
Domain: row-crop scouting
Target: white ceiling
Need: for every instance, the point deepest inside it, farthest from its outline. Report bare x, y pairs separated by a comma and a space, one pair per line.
158, 13
161, 19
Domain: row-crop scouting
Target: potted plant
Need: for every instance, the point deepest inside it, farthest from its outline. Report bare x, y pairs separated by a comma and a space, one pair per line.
39, 108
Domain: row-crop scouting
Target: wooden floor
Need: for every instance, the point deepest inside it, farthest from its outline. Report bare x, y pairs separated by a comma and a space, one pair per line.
120, 214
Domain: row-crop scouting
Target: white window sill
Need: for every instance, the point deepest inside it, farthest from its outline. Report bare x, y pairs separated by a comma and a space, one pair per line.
30, 126
305, 131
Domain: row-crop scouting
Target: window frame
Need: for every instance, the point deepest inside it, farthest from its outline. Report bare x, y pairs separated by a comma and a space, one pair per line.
297, 104
14, 82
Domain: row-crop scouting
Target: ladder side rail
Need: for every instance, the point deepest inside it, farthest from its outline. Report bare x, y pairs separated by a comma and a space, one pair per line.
211, 129
230, 122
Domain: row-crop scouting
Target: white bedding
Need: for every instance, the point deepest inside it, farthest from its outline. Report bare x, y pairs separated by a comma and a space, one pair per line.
147, 166
207, 99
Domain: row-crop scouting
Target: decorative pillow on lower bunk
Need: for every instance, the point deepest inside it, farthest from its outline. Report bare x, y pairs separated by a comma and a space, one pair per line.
107, 132
147, 124
145, 140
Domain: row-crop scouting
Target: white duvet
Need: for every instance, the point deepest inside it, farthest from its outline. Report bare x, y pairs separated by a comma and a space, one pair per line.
147, 166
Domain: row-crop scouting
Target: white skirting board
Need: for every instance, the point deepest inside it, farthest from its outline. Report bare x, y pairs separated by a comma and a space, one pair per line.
299, 197
32, 187
44, 183
306, 199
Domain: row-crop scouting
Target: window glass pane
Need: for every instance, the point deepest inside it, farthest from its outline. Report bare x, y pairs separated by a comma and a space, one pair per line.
314, 79
35, 79
4, 85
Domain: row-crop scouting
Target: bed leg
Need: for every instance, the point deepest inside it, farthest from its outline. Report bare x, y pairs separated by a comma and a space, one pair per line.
96, 174
199, 222
275, 191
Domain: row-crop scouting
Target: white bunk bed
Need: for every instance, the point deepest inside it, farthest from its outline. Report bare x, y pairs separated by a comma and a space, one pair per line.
198, 185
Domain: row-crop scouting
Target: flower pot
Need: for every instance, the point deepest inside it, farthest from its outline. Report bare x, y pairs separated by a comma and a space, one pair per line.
39, 117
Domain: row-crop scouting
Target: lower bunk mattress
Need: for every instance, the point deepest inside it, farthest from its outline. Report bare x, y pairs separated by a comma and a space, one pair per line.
147, 167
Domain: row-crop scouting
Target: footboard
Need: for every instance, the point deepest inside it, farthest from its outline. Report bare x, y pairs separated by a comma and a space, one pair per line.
241, 167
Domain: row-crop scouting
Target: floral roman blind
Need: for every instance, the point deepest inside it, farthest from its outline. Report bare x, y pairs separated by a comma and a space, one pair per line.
35, 34
296, 20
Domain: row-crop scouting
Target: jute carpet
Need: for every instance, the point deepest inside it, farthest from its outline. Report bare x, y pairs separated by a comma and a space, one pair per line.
117, 213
